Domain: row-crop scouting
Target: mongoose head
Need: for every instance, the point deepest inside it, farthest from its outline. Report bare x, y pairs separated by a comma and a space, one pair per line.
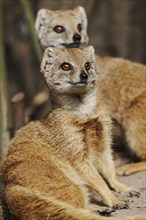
69, 70
62, 28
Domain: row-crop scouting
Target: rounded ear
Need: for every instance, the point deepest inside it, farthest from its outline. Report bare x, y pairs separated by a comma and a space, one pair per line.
82, 14
40, 18
42, 15
90, 51
47, 59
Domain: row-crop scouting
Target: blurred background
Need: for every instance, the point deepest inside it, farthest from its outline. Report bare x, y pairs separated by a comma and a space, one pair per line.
115, 28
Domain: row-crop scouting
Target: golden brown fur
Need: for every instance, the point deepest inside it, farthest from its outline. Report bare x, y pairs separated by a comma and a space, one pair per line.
124, 86
53, 166
124, 82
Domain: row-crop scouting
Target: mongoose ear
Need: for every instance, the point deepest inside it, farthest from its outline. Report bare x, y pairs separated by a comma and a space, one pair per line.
90, 51
42, 15
82, 14
47, 60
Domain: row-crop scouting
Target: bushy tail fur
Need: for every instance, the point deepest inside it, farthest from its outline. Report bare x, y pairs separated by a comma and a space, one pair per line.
29, 204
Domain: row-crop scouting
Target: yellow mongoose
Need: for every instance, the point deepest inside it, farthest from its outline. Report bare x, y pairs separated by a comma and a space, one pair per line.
123, 82
54, 165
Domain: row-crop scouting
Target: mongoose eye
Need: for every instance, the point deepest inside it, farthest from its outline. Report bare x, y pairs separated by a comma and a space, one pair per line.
66, 66
59, 29
79, 27
87, 66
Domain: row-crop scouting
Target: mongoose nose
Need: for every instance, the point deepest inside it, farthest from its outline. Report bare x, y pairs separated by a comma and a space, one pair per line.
83, 76
76, 38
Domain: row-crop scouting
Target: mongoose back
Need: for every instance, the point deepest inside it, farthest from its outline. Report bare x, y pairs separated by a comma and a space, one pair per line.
55, 165
123, 82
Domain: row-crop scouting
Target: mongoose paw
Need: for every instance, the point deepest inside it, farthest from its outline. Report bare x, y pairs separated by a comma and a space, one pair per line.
134, 193
131, 192
123, 171
102, 210
106, 211
121, 205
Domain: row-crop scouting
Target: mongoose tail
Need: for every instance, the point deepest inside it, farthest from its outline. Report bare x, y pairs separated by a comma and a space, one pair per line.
37, 206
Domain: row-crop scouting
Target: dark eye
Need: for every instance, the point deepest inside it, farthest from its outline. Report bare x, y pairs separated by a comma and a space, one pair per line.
59, 29
87, 66
66, 66
79, 27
